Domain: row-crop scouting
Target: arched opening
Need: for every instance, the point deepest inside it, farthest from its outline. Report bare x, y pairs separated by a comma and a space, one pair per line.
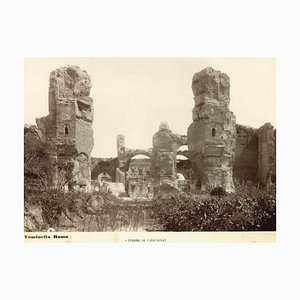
138, 176
180, 176
213, 132
104, 177
183, 168
66, 129
108, 166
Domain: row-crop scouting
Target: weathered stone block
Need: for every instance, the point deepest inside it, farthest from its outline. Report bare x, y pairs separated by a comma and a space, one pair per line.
214, 84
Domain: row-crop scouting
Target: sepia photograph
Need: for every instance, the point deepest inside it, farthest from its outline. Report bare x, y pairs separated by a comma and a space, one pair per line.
150, 147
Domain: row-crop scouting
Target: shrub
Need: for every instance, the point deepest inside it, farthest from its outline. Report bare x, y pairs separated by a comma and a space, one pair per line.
249, 209
53, 205
79, 211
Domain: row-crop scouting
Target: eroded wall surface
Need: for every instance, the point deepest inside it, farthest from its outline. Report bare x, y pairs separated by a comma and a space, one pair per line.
246, 154
266, 172
212, 135
142, 176
139, 181
68, 125
255, 154
165, 146
218, 149
104, 165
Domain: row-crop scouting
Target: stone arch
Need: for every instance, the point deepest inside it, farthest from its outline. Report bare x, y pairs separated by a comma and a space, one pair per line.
183, 164
131, 157
130, 154
138, 174
105, 166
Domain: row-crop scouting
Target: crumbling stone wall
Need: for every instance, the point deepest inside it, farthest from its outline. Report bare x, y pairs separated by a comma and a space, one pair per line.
104, 165
69, 122
165, 146
121, 150
266, 172
246, 154
162, 162
218, 149
125, 154
139, 181
255, 154
184, 167
128, 173
212, 135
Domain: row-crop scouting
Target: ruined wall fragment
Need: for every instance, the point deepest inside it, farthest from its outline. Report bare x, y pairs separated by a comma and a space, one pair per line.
138, 178
165, 146
121, 150
266, 172
212, 135
134, 173
105, 165
70, 118
246, 154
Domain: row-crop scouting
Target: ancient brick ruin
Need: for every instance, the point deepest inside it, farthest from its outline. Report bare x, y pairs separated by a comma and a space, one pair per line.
212, 135
216, 151
255, 155
68, 126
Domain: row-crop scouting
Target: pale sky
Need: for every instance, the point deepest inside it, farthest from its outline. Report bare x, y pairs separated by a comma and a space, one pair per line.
132, 96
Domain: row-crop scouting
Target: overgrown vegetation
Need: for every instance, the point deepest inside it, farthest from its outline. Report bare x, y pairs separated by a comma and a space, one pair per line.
75, 211
44, 199
249, 209
48, 206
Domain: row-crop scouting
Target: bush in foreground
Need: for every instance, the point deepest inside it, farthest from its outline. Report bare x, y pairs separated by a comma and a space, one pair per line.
75, 211
249, 209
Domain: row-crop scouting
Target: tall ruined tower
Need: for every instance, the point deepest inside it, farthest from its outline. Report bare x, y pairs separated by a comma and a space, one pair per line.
69, 123
212, 135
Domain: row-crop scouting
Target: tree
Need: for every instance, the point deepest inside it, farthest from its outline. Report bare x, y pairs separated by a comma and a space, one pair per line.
44, 182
